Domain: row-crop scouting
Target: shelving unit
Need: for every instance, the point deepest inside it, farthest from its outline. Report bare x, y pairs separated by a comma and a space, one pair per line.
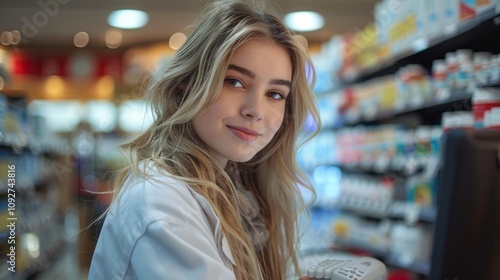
35, 196
476, 33
479, 35
458, 99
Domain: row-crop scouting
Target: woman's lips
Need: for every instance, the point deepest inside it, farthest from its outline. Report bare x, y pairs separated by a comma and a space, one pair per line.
244, 133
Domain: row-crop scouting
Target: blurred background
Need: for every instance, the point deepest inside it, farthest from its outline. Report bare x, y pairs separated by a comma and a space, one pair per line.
393, 77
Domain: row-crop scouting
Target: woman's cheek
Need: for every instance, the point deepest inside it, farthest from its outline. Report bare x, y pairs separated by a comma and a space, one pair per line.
275, 125
277, 120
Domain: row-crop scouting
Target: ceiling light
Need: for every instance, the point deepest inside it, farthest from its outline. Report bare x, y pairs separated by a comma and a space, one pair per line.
54, 87
6, 38
16, 37
105, 87
113, 38
128, 19
304, 21
177, 40
81, 39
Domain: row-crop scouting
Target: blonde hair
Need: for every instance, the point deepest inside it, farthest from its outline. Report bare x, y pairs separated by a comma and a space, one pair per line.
190, 84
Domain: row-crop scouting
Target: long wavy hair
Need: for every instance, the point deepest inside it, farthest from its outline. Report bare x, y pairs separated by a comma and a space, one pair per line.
189, 85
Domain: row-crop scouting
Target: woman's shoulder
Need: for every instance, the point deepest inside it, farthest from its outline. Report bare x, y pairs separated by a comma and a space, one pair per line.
149, 203
152, 195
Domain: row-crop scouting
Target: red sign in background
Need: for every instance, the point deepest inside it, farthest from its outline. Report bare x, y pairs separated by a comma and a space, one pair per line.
79, 66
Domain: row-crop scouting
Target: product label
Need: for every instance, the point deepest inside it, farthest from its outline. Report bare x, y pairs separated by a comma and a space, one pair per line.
467, 9
479, 109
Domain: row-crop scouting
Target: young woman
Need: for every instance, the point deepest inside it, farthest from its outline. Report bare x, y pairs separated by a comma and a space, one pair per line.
211, 188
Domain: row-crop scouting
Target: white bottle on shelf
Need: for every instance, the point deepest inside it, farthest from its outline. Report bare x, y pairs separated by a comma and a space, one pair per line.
465, 68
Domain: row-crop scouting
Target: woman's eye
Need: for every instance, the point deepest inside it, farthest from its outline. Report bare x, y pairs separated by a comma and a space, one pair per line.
234, 82
276, 95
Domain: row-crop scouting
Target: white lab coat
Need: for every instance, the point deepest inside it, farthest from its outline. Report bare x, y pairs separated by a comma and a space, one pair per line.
161, 229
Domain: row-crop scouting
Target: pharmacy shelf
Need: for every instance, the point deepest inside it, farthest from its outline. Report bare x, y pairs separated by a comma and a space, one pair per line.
458, 100
374, 168
476, 32
398, 210
479, 35
46, 258
404, 210
36, 183
15, 148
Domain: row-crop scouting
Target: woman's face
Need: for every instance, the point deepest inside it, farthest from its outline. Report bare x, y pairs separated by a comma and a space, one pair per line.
251, 106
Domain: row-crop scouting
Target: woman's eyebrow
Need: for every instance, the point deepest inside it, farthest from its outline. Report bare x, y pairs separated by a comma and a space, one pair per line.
281, 82
252, 75
242, 70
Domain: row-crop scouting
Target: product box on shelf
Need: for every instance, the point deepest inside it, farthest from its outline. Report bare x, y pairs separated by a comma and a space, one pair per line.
483, 6
449, 15
422, 190
360, 234
15, 120
457, 120
483, 101
432, 18
492, 119
410, 242
467, 9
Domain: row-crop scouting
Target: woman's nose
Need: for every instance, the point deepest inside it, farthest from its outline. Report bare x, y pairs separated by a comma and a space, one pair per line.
253, 107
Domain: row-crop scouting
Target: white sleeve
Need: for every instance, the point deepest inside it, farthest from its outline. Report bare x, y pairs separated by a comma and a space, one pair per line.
172, 251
